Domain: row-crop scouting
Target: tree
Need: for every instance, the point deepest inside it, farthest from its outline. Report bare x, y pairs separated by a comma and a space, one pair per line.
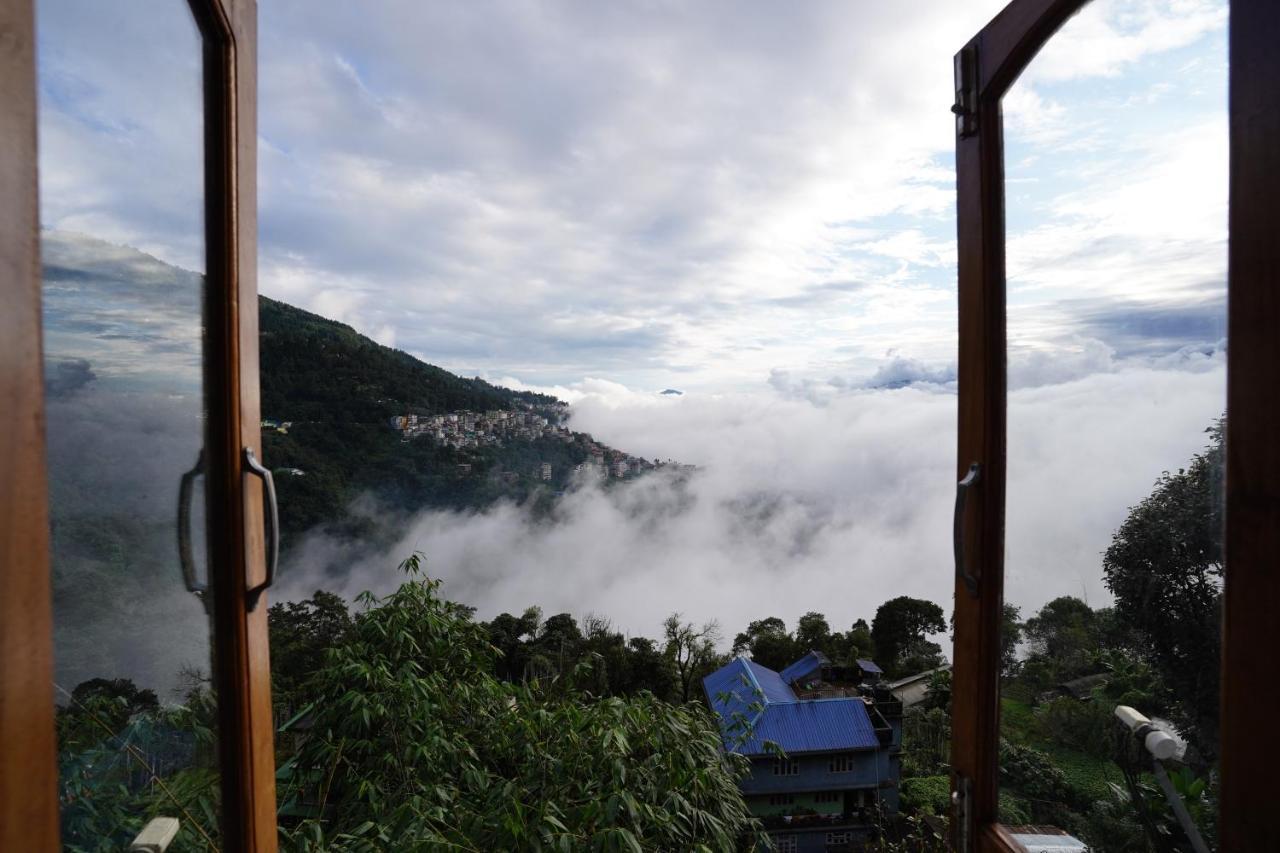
900, 632
648, 669
555, 650
692, 651
857, 643
126, 695
1010, 636
1164, 567
1064, 632
299, 633
768, 643
509, 635
420, 747
813, 633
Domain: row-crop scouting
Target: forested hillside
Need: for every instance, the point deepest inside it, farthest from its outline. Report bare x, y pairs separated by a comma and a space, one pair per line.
314, 369
328, 394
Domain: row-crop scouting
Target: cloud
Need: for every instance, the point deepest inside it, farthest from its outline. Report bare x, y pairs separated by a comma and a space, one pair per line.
64, 378
633, 190
799, 506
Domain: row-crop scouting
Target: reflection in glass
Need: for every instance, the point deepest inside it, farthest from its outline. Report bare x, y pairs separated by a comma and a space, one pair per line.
1116, 285
121, 134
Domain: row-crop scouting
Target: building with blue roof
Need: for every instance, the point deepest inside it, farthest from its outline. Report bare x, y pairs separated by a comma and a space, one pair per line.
805, 669
824, 746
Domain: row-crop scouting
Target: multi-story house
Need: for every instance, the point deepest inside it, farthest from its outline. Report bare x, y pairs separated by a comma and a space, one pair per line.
823, 743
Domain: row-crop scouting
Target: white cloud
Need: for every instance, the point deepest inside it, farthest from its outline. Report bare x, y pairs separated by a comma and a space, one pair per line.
1109, 36
798, 506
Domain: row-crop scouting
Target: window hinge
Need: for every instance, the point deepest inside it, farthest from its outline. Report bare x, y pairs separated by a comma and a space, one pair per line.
961, 804
966, 105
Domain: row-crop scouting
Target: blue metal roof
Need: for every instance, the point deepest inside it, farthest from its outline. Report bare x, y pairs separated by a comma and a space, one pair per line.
756, 706
807, 665
773, 686
733, 690
813, 725
869, 666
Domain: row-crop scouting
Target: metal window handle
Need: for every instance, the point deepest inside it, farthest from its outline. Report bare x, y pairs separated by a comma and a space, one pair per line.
252, 594
957, 533
186, 557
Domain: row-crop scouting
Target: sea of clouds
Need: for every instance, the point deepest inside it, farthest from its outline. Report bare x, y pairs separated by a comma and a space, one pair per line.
808, 496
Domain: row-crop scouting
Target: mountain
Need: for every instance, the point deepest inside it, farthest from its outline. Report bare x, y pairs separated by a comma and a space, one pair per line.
315, 369
123, 339
329, 397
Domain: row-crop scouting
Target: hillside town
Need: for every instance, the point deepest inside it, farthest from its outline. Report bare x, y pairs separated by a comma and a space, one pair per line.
473, 430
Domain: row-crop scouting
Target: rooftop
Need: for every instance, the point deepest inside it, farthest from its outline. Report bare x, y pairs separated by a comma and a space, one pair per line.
756, 706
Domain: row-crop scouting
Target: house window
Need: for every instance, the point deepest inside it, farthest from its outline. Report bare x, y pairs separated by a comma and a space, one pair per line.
786, 767
827, 797
835, 839
840, 764
786, 844
782, 799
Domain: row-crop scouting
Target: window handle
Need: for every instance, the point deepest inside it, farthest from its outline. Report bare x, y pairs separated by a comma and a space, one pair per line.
252, 594
957, 533
186, 488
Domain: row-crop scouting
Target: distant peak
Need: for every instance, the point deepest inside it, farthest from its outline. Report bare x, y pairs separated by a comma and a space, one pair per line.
671, 392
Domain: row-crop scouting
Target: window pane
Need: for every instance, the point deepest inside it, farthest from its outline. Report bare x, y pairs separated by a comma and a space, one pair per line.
121, 173
1116, 166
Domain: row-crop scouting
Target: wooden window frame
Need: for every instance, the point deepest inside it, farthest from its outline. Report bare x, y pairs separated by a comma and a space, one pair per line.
241, 660
995, 58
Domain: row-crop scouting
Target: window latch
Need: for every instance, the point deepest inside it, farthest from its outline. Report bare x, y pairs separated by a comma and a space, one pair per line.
966, 105
957, 532
961, 818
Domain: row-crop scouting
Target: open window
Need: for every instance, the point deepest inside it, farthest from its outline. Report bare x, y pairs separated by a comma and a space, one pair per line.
135, 519
987, 69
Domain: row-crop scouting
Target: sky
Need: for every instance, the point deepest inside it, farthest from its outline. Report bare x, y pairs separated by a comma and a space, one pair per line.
750, 202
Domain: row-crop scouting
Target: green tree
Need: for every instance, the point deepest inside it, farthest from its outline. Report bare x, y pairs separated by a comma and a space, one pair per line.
555, 650
300, 632
691, 650
1010, 637
900, 632
1164, 566
813, 633
421, 747
648, 669
509, 635
857, 643
768, 643
1063, 632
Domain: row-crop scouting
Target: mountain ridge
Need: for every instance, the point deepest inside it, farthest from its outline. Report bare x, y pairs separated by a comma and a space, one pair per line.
331, 398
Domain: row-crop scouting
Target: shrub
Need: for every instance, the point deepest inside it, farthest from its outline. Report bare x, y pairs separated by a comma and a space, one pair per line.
427, 749
926, 795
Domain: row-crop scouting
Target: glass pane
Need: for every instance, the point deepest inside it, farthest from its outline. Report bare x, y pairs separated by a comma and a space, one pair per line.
1116, 201
122, 184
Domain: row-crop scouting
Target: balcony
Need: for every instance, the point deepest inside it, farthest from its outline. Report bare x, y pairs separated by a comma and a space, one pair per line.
854, 818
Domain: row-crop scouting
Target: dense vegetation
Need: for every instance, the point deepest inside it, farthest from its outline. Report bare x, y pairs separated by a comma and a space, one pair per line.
401, 736
408, 723
315, 369
1064, 760
338, 390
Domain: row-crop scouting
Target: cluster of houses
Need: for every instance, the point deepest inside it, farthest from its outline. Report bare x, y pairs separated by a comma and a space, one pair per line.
465, 429
480, 429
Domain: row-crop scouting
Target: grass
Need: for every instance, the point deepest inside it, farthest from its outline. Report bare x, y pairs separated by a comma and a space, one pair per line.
1086, 773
